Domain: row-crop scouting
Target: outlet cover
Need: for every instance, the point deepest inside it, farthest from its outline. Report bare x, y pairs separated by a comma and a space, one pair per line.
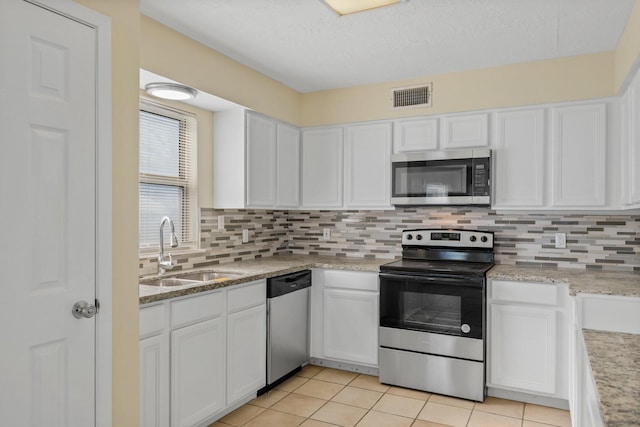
561, 240
326, 234
245, 236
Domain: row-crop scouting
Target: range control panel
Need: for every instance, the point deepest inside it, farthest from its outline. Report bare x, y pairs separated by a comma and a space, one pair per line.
448, 238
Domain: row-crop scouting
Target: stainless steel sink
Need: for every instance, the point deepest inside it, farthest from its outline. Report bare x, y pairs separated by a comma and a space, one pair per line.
169, 282
207, 276
191, 278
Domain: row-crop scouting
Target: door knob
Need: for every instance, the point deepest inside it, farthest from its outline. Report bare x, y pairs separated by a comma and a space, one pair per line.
83, 309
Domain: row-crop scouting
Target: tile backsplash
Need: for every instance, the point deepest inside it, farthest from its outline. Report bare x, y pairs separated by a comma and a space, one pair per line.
593, 241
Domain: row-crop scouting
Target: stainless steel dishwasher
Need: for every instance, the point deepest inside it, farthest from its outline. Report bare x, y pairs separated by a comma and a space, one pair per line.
288, 299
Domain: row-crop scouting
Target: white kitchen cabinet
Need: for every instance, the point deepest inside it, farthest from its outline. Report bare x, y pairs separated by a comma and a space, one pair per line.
288, 166
261, 161
154, 382
255, 161
579, 155
528, 334
197, 372
246, 341
344, 317
465, 130
368, 166
519, 159
415, 134
630, 135
322, 167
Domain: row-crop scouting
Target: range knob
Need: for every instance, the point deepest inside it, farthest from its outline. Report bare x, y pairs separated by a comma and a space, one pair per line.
409, 237
472, 238
484, 239
419, 237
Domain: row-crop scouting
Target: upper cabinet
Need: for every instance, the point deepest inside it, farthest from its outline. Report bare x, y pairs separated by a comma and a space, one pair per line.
322, 157
368, 166
630, 136
416, 134
579, 139
347, 167
465, 131
255, 161
519, 159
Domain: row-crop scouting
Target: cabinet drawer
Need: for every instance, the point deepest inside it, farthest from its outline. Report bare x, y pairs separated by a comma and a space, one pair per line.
152, 320
525, 292
254, 293
357, 280
197, 308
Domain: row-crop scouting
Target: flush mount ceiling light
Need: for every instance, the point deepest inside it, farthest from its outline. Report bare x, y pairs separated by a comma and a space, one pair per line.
345, 7
173, 91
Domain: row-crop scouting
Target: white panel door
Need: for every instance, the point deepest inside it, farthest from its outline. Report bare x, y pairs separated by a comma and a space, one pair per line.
246, 352
197, 372
154, 382
634, 142
465, 131
522, 348
351, 325
322, 168
579, 155
288, 166
368, 166
415, 134
48, 199
519, 159
261, 161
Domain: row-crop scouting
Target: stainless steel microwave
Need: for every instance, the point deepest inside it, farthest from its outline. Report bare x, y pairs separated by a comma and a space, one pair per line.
453, 177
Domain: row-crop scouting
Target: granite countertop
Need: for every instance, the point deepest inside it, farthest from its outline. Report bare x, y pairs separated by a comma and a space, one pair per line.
262, 268
579, 281
615, 363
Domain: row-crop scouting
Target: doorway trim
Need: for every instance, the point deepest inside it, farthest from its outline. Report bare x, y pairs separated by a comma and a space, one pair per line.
103, 334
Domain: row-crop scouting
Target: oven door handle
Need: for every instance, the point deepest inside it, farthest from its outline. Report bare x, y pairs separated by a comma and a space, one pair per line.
474, 282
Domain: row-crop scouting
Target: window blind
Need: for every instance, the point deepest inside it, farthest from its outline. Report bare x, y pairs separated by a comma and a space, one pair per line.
167, 174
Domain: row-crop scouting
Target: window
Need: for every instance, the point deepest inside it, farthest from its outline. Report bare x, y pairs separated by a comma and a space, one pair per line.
167, 174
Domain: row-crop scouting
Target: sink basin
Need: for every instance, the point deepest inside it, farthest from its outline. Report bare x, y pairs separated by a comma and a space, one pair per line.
191, 278
170, 282
207, 276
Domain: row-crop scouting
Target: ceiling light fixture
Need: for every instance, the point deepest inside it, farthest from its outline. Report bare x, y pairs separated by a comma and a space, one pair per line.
345, 7
173, 91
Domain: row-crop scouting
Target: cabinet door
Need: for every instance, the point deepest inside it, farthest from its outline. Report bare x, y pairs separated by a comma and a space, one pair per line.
368, 165
579, 156
322, 165
519, 159
197, 372
246, 352
522, 350
465, 131
261, 161
350, 325
288, 166
154, 382
415, 135
633, 144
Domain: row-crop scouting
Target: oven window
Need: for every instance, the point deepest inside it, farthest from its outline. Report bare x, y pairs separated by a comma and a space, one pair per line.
439, 305
441, 178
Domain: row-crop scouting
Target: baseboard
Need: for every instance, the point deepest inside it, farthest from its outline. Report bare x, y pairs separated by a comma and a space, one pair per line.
352, 367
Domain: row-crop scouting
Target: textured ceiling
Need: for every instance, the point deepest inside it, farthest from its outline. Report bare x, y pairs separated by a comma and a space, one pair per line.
306, 46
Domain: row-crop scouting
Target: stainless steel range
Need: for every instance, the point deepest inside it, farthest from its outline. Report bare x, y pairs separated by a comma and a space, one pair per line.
432, 313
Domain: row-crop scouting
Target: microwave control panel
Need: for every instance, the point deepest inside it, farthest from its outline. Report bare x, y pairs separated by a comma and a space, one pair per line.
481, 176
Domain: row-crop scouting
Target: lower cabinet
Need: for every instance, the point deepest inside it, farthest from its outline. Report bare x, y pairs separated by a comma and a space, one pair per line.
344, 319
197, 371
528, 334
201, 354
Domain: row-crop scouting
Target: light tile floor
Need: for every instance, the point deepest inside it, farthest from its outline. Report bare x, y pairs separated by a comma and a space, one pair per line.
325, 397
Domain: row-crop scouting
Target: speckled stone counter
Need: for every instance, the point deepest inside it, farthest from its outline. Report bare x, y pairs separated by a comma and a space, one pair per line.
615, 363
257, 269
579, 281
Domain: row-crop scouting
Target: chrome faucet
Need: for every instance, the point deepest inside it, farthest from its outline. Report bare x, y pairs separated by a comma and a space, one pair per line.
163, 265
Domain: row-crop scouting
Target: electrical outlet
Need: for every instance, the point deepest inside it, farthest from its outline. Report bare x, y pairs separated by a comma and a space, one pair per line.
220, 222
561, 240
326, 234
245, 236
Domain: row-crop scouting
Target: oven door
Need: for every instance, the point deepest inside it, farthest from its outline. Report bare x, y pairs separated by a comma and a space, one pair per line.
446, 304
